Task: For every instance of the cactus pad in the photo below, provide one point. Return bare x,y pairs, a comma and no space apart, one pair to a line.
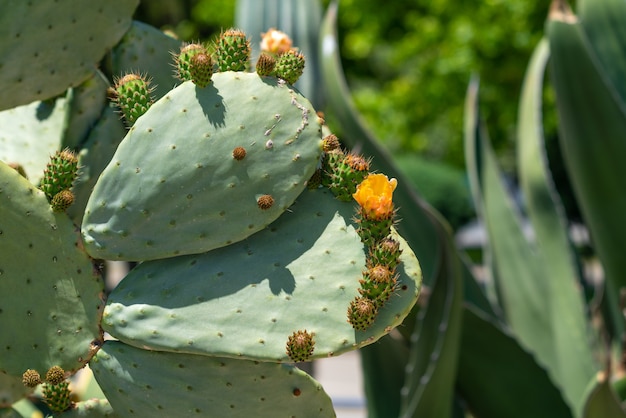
148,384
145,49
246,299
87,102
41,54
96,153
51,299
31,133
173,186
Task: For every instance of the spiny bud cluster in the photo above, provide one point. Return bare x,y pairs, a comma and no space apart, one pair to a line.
194,63
279,58
133,96
300,346
290,66
232,51
342,172
58,178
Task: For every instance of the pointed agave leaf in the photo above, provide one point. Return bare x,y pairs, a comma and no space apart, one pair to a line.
571,337
603,23
522,290
384,364
592,127
431,367
491,365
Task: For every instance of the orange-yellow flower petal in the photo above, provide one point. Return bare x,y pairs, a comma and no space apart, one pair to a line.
374,195
275,42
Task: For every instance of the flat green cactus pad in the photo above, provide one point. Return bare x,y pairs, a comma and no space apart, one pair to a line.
156,384
94,156
31,133
47,46
175,187
244,300
51,298
87,103
147,50
11,390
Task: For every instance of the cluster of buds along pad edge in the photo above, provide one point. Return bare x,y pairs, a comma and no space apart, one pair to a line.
278,57
348,177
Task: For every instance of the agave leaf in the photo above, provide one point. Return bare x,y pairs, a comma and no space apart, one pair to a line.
592,125
574,358
431,367
494,370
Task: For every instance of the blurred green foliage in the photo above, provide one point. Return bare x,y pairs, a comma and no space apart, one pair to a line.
408,64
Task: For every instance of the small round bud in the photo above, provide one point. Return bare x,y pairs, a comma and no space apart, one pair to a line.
133,96
31,378
201,69
239,153
265,65
55,375
357,162
330,143
265,201
62,200
290,66
183,59
300,346
232,51
362,313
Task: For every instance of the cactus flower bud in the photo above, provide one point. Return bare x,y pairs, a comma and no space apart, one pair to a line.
31,378
362,313
62,200
300,346
55,375
60,173
265,65
201,69
232,51
290,66
133,96
183,59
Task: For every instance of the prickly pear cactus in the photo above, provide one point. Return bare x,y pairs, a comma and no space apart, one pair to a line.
253,250
40,52
174,186
48,284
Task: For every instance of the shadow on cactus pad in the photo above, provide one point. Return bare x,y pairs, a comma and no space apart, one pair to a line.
246,299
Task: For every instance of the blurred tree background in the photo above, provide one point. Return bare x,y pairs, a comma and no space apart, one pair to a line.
408,64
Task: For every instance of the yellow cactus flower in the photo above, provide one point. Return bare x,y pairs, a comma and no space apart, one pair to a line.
275,42
374,195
